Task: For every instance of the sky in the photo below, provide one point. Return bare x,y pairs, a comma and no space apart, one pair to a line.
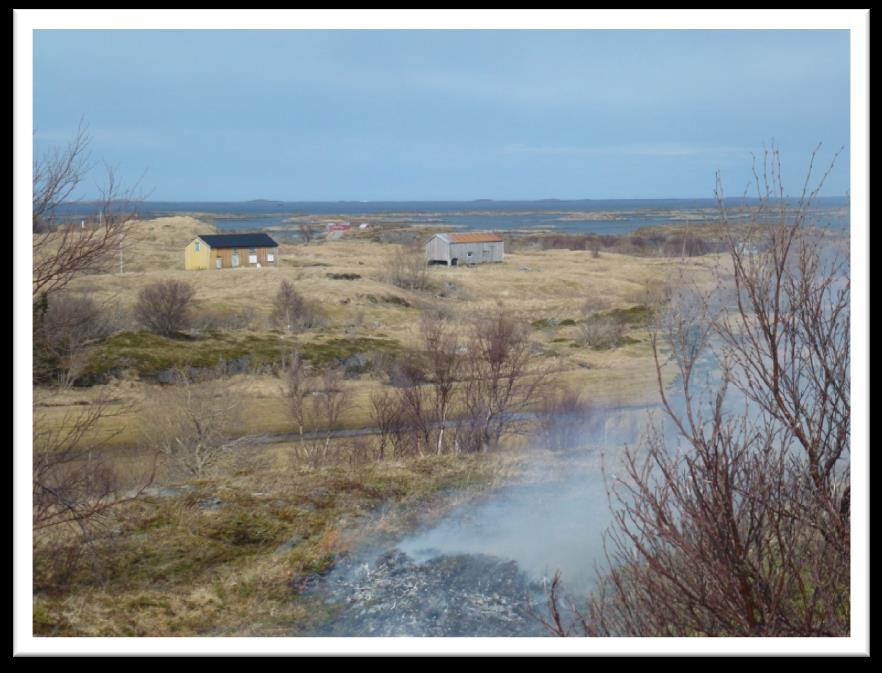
376,115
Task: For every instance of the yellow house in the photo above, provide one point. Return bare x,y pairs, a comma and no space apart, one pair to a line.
228,251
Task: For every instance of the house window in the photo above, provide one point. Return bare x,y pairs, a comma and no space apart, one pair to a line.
198,246
270,257
469,254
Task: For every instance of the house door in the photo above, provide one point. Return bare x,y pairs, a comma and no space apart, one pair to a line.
235,259
218,263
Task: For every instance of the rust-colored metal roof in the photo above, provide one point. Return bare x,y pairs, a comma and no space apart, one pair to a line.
474,238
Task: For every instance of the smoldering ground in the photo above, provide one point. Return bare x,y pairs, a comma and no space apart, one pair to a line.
484,569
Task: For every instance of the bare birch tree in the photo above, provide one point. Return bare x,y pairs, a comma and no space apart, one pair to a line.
63,250
289,311
72,483
444,367
194,426
386,416
502,381
735,522
316,404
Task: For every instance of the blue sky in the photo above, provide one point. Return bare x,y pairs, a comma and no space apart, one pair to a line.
422,115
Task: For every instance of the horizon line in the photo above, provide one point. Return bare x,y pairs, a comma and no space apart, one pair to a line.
429,200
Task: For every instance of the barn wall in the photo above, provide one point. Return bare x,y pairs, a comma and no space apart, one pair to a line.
481,252
196,260
437,250
226,255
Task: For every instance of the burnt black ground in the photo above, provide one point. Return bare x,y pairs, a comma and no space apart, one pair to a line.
448,595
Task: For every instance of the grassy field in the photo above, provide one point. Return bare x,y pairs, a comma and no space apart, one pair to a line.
546,289
229,554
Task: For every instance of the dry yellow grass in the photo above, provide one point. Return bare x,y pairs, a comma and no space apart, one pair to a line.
173,570
540,285
176,567
533,285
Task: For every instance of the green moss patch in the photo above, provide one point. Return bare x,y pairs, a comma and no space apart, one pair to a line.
637,316
323,354
550,323
150,355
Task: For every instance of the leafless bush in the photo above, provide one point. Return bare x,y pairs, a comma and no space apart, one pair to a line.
408,269
316,405
72,320
500,384
404,370
441,346
415,416
386,416
562,419
601,332
594,304
685,245
358,452
64,325
742,527
297,390
306,233
63,251
193,425
655,295
76,487
164,307
490,381
328,402
73,487
415,403
73,482
290,311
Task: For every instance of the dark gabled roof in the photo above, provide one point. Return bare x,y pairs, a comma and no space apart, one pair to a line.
239,241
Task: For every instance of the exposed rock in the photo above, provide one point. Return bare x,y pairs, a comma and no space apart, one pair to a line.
93,379
166,376
355,365
239,365
210,504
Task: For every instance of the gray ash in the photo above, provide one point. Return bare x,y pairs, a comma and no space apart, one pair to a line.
448,595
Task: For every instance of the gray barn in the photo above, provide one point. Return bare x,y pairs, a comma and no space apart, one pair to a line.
456,249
